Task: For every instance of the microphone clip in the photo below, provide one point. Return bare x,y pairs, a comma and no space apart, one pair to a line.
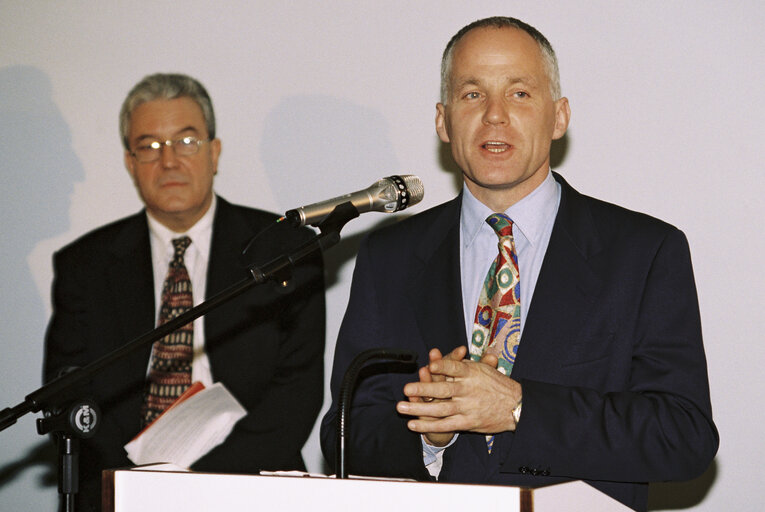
340,216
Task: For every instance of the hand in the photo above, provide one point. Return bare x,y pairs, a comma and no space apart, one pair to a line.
469,396
433,438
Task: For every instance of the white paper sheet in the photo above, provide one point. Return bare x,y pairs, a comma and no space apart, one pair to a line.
189,429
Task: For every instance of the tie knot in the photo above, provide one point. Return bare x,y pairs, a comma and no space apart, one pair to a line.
180,245
501,223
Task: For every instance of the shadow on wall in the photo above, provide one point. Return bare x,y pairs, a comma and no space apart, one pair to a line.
343,147
38,169
42,454
682,495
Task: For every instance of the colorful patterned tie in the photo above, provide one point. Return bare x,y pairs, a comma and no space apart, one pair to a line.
170,373
497,325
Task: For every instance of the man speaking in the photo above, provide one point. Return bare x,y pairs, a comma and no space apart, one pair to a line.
560,335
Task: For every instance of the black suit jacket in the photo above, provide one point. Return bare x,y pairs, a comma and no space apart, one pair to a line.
611,360
266,345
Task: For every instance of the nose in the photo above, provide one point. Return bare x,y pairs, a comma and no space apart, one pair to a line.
167,156
495,111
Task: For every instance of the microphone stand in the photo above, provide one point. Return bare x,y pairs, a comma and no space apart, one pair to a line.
86,413
77,421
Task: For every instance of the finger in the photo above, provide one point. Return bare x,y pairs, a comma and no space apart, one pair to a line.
428,426
440,389
434,355
433,410
449,368
458,354
425,375
490,359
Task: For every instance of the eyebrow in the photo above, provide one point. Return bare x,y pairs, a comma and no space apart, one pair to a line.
529,80
155,137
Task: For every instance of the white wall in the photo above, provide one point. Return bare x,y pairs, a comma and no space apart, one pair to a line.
315,99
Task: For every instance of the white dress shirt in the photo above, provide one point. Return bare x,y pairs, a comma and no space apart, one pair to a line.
196,258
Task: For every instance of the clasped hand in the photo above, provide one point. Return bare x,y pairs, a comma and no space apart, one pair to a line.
456,394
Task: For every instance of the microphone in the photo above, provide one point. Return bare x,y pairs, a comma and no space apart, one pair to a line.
387,195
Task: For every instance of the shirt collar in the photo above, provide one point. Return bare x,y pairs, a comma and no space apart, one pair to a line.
200,233
529,215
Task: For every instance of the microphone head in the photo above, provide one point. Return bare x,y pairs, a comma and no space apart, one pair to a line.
409,191
386,195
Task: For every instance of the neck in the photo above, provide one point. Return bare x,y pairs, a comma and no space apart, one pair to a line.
500,198
179,222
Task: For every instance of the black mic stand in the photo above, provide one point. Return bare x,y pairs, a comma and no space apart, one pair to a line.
406,357
79,420
53,394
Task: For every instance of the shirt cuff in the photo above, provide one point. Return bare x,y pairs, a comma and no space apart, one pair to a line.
433,456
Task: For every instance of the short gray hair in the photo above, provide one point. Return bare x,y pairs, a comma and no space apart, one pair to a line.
166,86
548,54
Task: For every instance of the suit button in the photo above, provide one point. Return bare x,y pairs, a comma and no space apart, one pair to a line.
546,472
523,470
535,472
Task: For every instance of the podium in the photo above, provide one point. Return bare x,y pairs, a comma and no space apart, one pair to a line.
134,490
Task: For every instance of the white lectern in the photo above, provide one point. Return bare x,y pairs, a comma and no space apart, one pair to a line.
137,490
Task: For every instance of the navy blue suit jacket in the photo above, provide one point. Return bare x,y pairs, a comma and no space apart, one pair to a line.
611,361
266,345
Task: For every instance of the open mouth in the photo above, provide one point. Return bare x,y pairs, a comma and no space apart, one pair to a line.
495,147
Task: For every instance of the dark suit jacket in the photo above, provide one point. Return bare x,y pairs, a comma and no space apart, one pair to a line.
266,345
611,360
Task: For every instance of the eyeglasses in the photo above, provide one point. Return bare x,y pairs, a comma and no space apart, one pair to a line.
150,151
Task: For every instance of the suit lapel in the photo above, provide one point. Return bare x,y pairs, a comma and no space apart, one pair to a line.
129,304
131,281
565,291
224,268
436,288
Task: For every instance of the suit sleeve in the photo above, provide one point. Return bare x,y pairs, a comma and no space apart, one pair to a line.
659,426
379,443
282,411
65,340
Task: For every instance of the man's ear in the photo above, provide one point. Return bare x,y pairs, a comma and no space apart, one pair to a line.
215,148
562,117
130,164
441,123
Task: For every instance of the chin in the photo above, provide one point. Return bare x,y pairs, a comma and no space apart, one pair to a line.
498,182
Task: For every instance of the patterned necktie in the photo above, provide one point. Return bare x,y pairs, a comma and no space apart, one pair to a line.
170,373
497,325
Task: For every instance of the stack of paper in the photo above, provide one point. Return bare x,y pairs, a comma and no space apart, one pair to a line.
196,423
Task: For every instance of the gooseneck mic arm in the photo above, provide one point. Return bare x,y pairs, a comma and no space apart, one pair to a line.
407,357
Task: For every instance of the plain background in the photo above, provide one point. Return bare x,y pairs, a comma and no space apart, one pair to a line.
316,99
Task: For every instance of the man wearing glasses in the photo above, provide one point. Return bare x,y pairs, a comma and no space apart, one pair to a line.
121,280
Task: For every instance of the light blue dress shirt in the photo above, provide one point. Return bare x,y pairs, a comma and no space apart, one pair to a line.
533,219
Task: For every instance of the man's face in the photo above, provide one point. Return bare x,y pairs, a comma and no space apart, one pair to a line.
500,118
177,190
